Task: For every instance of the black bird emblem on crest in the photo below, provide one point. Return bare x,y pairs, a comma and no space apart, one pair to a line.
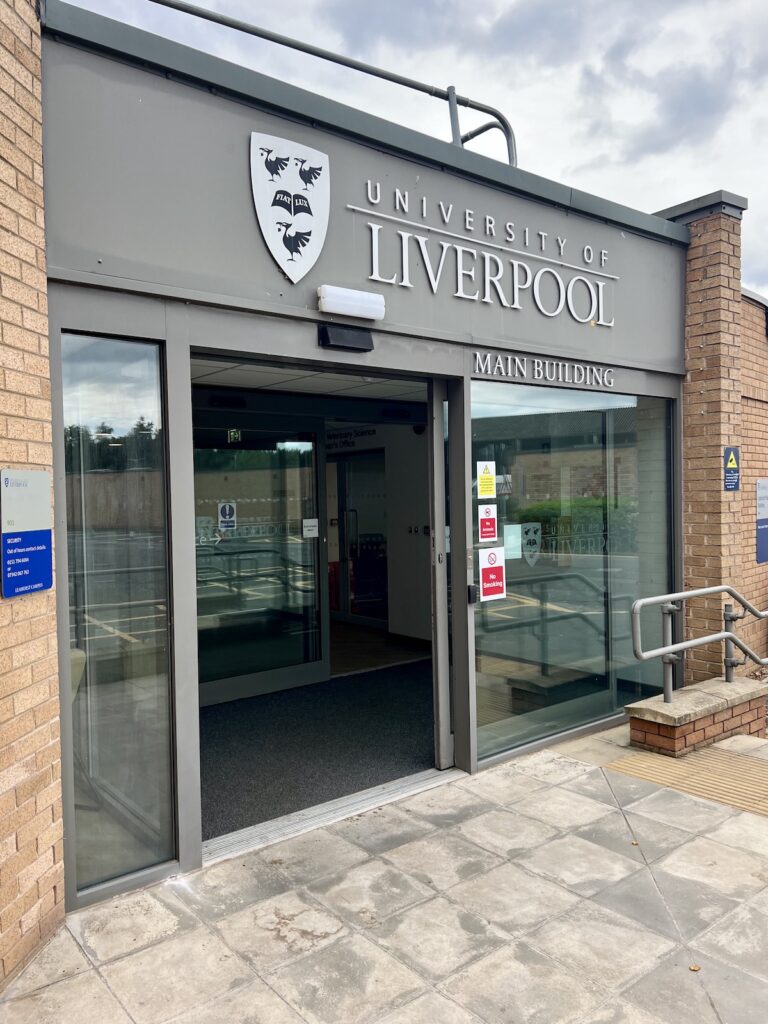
308,175
294,242
275,165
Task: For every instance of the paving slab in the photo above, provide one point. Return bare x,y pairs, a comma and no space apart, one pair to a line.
445,806
640,899
442,860
592,749
382,829
503,784
600,945
513,899
438,938
518,984
60,958
627,789
256,1003
368,893
129,923
279,930
230,885
352,980
744,831
431,1008
313,855
722,868
506,832
594,784
715,994
621,1012
740,939
551,767
694,907
682,811
579,865
619,832
175,976
564,809
82,999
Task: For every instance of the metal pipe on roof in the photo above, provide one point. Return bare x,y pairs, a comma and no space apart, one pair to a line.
356,65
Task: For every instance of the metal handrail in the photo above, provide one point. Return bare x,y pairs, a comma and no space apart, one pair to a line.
454,101
670,652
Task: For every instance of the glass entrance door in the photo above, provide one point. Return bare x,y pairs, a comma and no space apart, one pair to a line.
259,548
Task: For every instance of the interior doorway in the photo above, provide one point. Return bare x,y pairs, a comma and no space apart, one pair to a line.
313,543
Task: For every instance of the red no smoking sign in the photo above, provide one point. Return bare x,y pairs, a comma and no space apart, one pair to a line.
488,522
493,584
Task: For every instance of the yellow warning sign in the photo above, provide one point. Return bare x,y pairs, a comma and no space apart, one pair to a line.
486,480
732,463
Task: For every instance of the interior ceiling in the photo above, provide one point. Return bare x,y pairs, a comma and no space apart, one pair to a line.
274,378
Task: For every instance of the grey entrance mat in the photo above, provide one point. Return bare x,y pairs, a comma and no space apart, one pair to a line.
268,756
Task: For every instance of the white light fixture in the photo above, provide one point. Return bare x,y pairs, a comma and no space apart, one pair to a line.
348,302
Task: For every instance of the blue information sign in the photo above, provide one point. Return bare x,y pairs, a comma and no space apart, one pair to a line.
761,523
25,541
731,469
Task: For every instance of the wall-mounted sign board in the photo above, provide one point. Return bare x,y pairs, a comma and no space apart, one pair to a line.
731,469
25,514
493,584
761,523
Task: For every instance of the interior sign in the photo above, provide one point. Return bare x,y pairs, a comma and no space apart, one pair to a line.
488,528
493,584
227,515
25,510
731,469
486,480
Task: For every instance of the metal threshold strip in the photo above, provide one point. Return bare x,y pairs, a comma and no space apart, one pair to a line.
296,824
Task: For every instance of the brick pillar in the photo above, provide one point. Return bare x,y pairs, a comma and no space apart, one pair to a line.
31,847
711,412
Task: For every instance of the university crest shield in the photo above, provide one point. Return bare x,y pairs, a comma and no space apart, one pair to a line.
292,195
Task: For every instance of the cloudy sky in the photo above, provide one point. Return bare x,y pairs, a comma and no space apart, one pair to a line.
646,102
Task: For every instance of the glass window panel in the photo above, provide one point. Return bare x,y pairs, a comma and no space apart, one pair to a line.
117,540
583,510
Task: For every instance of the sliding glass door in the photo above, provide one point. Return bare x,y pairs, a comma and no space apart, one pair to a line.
259,546
581,490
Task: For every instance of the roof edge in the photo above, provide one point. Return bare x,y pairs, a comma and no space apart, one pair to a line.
62,20
720,201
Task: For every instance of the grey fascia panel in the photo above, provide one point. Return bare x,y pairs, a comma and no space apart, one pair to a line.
115,38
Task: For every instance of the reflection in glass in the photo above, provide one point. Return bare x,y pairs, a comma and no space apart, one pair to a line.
582,497
118,599
257,572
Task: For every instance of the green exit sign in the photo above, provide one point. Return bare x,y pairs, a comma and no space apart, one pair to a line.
233,436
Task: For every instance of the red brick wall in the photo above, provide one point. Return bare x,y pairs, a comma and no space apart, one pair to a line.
31,846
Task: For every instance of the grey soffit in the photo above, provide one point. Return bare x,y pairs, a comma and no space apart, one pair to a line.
289,379
113,37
